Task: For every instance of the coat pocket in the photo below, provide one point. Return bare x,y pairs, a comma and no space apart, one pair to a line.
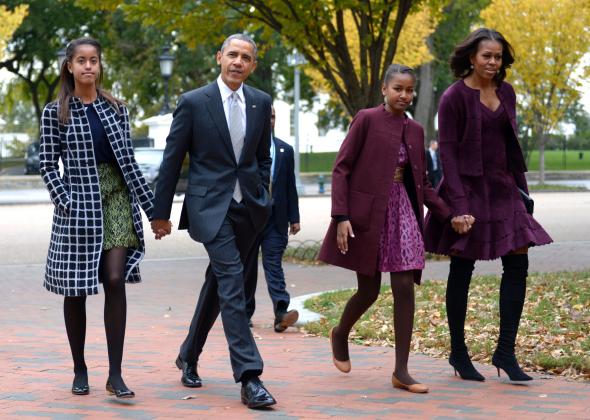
198,190
361,208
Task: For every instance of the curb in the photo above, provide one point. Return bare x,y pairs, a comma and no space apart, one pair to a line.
305,315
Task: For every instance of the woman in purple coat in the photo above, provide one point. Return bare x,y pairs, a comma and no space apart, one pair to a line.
379,188
483,169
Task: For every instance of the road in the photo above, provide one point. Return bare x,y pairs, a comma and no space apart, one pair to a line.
26,228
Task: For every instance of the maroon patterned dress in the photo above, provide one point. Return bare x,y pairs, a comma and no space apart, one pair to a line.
401,247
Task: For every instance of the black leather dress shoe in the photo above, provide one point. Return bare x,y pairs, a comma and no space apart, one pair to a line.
255,395
284,320
190,377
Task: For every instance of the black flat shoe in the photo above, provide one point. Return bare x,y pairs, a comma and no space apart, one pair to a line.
80,384
510,366
462,364
119,393
255,395
80,389
190,378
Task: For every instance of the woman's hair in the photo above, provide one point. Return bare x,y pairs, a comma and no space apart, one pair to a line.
66,79
394,69
460,60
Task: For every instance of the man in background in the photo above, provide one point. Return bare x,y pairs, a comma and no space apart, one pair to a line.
284,220
433,168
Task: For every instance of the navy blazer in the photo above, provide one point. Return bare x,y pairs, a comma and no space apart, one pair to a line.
285,207
200,128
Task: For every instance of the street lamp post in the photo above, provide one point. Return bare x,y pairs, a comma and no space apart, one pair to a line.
61,56
166,65
296,59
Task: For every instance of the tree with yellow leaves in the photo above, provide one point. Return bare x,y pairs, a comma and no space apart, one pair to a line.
349,43
550,39
11,20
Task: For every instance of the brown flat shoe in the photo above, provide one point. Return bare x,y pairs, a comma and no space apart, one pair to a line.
415,388
341,366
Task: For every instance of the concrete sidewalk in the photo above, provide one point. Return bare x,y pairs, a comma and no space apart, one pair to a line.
35,364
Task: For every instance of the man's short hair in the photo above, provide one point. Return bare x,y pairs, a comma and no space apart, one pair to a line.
240,37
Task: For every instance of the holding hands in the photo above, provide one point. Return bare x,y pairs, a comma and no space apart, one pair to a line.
462,224
161,228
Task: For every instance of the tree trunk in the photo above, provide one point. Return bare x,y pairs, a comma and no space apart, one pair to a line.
425,103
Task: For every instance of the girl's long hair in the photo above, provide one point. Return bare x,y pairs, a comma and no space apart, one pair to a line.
67,84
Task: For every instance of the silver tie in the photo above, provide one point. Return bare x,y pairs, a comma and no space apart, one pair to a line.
236,132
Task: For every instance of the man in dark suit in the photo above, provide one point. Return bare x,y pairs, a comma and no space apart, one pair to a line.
433,166
225,128
273,239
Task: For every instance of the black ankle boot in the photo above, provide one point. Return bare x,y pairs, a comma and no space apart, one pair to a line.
512,294
462,364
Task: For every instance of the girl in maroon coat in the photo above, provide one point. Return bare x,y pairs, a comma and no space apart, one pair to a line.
379,188
483,169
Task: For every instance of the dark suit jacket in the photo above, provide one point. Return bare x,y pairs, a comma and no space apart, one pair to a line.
200,128
361,184
284,191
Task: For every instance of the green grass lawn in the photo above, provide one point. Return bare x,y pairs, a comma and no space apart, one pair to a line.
323,162
554,334
554,160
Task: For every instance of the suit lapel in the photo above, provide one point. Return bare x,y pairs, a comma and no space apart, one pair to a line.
215,107
278,159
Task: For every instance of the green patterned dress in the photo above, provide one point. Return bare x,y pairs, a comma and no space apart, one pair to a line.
116,209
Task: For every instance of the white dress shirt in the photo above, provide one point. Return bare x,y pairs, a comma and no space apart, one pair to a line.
226,92
273,155
434,159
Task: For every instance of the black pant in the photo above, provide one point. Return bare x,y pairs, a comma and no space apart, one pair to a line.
223,291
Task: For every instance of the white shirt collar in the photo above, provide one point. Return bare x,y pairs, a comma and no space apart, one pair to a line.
226,91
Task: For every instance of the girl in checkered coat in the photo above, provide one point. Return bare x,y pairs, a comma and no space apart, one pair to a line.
97,233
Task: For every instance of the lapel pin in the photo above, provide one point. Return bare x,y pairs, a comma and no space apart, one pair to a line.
253,106
282,150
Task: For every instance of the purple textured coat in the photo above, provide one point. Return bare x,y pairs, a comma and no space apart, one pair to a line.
361,181
459,124
490,195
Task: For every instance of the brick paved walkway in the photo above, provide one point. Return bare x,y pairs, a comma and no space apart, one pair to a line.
35,364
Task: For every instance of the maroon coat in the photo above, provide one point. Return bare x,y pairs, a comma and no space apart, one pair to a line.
361,181
459,122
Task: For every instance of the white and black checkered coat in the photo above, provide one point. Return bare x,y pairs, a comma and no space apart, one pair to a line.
77,231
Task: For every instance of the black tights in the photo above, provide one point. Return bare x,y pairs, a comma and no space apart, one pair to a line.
402,286
112,272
